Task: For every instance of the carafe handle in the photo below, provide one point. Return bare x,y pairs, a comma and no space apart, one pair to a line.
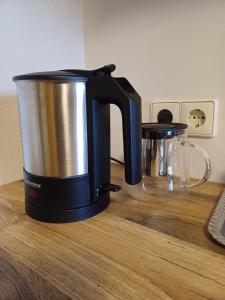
208,165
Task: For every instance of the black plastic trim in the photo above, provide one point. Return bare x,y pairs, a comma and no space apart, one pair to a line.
57,193
102,91
161,130
59,200
51,76
68,215
68,74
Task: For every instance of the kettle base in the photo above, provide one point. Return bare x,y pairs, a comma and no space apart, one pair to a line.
67,215
61,200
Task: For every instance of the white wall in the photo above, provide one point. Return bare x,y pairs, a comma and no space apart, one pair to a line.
167,49
35,35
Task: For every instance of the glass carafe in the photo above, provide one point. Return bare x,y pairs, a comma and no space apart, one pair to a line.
165,162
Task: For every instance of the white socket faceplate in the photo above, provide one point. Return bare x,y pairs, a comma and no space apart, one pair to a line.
172,106
191,113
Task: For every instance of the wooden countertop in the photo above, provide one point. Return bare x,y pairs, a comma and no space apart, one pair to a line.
156,249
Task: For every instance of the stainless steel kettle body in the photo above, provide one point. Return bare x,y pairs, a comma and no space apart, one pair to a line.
65,127
53,121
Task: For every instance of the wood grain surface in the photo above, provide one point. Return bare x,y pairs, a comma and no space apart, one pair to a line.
152,249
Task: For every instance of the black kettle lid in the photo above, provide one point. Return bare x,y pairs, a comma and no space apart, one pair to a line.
68,74
162,131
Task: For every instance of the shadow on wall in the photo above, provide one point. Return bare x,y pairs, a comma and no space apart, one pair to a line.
11,161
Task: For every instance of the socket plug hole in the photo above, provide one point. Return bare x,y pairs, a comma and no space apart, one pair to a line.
196,118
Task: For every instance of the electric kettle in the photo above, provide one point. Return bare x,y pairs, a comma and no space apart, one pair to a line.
65,128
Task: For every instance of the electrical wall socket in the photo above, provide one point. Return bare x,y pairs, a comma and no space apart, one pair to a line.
167,109
201,116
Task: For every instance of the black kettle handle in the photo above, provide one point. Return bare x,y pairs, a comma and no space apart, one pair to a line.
130,107
108,90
